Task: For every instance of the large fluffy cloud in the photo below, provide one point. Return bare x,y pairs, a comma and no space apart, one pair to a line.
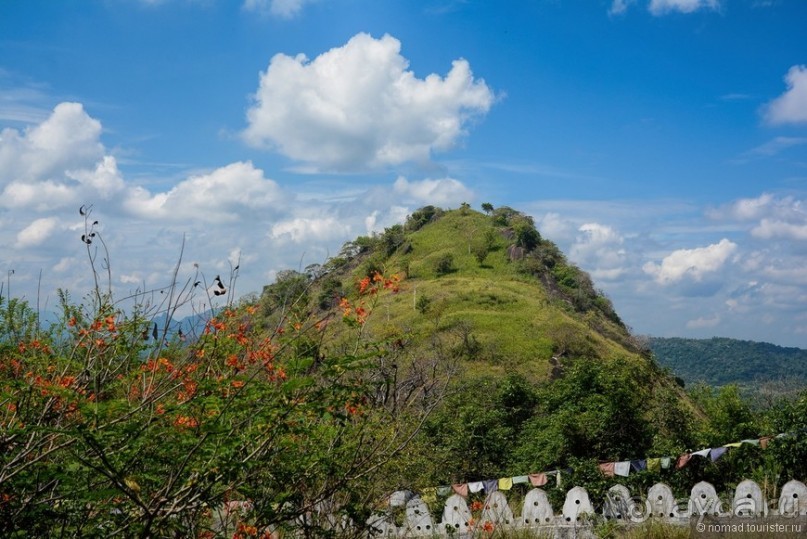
55,163
223,195
791,106
66,140
358,106
599,248
693,264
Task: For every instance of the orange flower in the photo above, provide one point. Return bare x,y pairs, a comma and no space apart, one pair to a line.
351,409
72,322
166,364
487,526
66,381
186,422
233,361
247,530
363,284
237,384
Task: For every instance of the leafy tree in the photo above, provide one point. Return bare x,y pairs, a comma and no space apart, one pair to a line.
594,411
487,207
444,264
730,418
288,293
789,453
503,214
480,252
330,292
484,428
526,234
422,216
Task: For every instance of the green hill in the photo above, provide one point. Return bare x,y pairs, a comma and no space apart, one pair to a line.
542,370
720,361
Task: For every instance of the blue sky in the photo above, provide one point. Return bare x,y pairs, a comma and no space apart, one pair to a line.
661,143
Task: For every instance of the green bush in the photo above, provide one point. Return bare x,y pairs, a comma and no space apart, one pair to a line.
444,264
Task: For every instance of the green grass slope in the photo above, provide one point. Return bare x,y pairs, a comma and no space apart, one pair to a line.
503,307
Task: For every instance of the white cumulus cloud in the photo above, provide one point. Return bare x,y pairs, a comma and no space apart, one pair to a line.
791,106
67,139
692,264
441,192
57,162
783,217
599,248
358,106
220,196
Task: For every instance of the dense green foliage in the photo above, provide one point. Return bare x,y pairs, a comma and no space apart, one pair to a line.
759,368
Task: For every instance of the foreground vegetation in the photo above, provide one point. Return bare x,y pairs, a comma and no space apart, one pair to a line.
456,347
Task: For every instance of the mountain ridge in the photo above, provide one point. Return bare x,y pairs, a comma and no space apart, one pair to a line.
721,361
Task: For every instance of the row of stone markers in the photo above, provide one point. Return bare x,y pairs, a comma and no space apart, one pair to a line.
457,520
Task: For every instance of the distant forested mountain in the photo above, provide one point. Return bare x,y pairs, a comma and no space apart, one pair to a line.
719,361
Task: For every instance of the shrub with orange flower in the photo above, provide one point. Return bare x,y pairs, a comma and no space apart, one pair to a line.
195,419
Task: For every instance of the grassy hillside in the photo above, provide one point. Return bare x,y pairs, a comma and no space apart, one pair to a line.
485,301
505,305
